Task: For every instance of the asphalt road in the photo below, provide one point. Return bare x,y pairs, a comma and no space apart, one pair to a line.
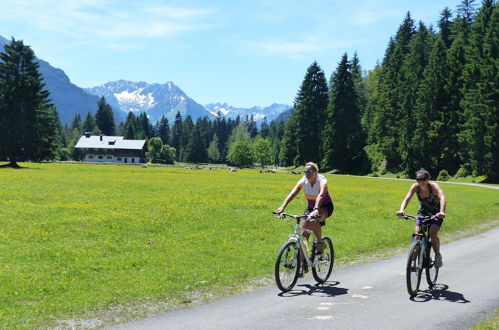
366,296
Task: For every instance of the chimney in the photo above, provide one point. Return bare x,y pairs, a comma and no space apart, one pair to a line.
101,137
87,134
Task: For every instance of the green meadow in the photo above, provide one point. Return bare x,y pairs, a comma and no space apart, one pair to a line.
96,244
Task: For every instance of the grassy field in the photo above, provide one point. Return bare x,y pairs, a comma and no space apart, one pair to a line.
86,244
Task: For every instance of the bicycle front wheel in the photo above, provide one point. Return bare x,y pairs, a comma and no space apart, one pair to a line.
323,263
414,269
431,270
287,266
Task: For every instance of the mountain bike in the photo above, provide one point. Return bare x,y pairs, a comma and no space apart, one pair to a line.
296,250
421,255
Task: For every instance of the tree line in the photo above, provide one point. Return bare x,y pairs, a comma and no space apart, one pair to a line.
432,102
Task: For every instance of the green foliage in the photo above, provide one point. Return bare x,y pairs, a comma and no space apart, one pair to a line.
443,175
104,118
241,153
262,149
29,124
344,140
303,135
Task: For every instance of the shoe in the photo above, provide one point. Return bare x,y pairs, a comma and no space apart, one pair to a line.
438,261
319,247
300,272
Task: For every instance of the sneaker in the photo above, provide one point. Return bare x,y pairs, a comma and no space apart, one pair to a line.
438,261
300,272
319,247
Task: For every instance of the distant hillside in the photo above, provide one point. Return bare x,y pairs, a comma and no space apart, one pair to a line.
67,97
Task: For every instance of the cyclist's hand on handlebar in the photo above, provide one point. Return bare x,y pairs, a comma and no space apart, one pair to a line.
315,214
400,213
440,215
279,212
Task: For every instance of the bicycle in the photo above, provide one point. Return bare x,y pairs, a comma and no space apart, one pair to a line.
287,265
421,255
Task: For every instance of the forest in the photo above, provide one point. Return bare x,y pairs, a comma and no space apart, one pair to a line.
432,102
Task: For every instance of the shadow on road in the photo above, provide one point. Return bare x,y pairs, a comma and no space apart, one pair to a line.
328,289
440,292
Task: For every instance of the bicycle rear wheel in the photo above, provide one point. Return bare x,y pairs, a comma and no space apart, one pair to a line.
287,266
431,270
414,269
323,263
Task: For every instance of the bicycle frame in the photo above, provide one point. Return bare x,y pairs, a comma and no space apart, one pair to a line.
297,237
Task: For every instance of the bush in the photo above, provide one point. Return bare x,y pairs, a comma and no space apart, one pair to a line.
462,173
443,175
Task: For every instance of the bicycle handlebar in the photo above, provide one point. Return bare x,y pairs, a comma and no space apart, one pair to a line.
424,219
296,217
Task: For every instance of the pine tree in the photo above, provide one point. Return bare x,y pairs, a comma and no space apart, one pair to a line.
307,121
481,89
186,137
411,79
177,135
264,128
104,118
343,141
130,128
163,130
388,115
28,122
89,125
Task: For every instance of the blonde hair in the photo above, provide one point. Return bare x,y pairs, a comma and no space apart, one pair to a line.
314,165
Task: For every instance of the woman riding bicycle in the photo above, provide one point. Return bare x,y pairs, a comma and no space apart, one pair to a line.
320,205
433,202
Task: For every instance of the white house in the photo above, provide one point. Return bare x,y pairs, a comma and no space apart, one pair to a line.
113,149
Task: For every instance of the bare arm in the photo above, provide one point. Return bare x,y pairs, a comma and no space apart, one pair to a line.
407,199
441,197
318,200
289,198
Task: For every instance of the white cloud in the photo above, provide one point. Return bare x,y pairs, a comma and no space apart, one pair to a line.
109,20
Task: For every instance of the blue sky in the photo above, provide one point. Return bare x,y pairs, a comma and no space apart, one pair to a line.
244,53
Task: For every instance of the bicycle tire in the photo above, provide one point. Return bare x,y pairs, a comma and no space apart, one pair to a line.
287,266
431,270
413,269
323,264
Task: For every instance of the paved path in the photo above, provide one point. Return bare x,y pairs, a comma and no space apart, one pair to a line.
366,296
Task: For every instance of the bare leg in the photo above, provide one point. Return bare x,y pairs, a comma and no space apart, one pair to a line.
435,241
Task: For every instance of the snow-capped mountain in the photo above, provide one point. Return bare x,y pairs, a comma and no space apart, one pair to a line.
271,112
155,100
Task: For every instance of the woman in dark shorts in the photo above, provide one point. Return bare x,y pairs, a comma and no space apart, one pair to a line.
319,202
433,202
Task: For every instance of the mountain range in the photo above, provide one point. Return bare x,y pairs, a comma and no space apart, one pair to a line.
155,100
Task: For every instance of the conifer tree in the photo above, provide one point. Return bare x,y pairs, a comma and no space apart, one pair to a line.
304,143
481,89
130,129
411,79
163,130
389,114
264,128
343,141
89,125
104,118
177,133
28,122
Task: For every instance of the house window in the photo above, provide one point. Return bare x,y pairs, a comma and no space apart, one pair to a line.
133,160
90,157
118,159
100,157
